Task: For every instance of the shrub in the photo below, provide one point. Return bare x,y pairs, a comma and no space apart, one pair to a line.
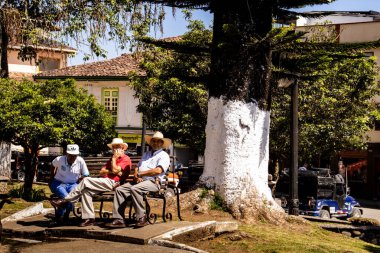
35,196
217,203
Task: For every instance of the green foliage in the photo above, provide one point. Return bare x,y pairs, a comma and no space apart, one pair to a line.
203,193
52,113
217,203
335,100
173,97
86,23
35,195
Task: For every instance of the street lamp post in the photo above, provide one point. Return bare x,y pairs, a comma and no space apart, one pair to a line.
293,187
294,202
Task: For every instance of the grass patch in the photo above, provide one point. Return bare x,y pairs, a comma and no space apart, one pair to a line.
217,203
292,238
17,205
203,193
15,189
35,196
364,221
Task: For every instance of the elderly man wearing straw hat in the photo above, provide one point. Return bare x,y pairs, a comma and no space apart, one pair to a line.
150,170
111,172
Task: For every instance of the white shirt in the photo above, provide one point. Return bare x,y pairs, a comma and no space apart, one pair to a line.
69,174
152,160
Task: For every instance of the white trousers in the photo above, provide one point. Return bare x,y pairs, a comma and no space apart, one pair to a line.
86,189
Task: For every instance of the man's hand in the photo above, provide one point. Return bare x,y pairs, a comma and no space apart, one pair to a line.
103,171
137,177
116,185
117,153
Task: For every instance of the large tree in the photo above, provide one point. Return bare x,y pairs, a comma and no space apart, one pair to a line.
173,97
53,113
240,84
31,23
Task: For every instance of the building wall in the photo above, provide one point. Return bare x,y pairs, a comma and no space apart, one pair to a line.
359,32
127,115
17,65
331,19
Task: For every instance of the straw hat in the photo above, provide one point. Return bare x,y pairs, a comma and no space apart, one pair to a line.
158,136
117,141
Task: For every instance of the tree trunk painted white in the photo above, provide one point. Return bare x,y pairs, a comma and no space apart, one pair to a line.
5,159
237,153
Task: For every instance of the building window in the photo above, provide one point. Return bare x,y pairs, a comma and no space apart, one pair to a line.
48,64
111,102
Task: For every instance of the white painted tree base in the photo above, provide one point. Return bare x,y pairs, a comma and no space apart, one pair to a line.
237,153
5,159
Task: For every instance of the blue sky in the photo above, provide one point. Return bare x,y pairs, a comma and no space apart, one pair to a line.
173,26
176,25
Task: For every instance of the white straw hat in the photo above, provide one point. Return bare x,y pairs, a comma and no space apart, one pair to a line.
117,141
158,135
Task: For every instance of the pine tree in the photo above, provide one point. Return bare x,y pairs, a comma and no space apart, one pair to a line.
239,85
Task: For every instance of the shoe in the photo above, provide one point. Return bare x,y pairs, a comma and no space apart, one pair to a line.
116,223
57,222
58,202
87,222
142,222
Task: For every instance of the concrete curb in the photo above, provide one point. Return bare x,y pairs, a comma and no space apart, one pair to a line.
27,212
175,245
204,229
180,231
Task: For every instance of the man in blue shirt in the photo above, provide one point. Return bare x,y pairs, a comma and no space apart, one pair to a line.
68,171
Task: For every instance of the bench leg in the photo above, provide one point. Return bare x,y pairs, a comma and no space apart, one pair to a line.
178,206
164,209
101,209
77,212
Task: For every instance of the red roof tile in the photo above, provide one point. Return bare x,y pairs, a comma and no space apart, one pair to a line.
117,67
19,76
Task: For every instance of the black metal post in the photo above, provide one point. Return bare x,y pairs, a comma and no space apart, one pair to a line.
294,202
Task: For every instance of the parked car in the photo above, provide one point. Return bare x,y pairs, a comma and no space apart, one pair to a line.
320,194
43,169
18,167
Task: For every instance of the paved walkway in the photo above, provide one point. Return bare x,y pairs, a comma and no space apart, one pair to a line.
161,233
83,246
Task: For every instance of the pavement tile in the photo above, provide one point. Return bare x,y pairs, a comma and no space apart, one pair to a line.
39,225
